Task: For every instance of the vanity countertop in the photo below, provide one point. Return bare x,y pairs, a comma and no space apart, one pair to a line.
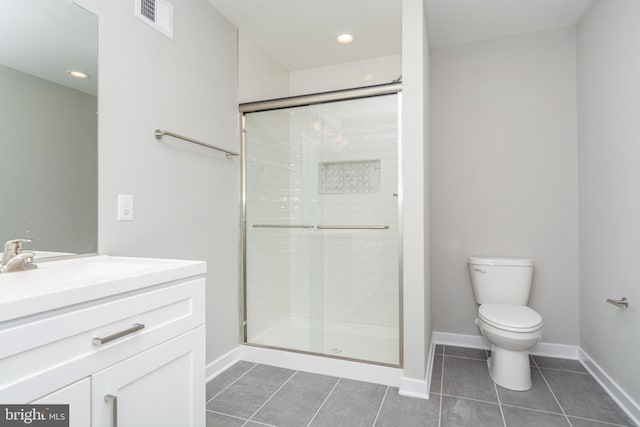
57,284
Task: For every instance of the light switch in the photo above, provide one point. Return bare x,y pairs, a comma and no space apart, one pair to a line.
125,207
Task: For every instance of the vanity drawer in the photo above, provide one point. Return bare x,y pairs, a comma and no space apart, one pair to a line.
57,349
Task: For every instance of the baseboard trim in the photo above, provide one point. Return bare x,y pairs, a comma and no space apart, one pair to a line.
460,340
411,387
561,351
223,363
628,405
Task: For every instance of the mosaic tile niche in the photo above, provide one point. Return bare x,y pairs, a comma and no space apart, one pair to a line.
351,177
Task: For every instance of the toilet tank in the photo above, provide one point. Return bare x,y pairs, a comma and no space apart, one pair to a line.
501,280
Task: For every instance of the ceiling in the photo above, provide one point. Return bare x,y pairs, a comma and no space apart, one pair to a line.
452,22
300,34
45,38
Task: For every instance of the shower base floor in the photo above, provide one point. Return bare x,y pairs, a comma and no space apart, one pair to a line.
378,344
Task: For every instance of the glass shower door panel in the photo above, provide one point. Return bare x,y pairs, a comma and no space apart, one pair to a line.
359,225
321,229
282,273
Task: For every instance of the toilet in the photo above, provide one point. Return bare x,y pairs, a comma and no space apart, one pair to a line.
502,286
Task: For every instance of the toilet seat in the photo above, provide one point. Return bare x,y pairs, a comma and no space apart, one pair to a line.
513,318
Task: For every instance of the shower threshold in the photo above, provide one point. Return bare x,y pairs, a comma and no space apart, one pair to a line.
377,344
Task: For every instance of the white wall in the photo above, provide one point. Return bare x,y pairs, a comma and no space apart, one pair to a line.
186,197
345,76
609,150
416,199
504,173
260,77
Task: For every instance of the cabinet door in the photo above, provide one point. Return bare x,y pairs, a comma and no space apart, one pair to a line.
161,387
77,396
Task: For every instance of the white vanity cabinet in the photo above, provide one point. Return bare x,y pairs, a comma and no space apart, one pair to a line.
78,397
128,359
154,388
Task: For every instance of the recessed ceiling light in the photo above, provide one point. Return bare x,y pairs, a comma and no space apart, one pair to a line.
344,38
78,74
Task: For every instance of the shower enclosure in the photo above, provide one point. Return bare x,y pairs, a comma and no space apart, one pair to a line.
322,235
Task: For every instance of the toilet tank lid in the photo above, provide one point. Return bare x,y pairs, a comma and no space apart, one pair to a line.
507,261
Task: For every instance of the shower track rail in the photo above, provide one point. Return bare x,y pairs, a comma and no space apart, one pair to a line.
281,226
319,98
325,227
352,227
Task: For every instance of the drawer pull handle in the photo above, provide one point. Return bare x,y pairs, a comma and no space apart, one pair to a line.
135,328
109,398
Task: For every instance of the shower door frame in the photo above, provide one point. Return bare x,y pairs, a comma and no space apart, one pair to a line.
301,101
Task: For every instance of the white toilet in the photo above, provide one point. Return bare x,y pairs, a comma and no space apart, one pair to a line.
501,286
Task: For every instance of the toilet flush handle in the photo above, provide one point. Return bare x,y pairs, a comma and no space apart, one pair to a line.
480,270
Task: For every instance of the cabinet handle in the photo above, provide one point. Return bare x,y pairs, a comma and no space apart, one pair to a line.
109,398
136,327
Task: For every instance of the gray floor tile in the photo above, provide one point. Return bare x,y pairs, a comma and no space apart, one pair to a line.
555,363
462,413
518,417
436,375
468,378
439,349
297,402
219,420
250,392
580,395
404,411
538,397
219,383
471,353
352,403
579,422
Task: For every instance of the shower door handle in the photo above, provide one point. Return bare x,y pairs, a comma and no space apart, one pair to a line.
353,227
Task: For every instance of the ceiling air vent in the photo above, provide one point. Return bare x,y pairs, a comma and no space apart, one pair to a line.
157,13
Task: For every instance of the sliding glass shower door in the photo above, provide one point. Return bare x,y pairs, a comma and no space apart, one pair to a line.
322,239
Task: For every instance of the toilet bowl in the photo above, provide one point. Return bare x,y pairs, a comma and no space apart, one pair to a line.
512,331
501,286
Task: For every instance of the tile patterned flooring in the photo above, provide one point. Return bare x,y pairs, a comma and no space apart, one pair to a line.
462,394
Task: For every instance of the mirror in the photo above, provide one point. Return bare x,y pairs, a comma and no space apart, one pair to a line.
48,125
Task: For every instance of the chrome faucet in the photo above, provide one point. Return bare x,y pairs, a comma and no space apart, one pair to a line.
14,259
